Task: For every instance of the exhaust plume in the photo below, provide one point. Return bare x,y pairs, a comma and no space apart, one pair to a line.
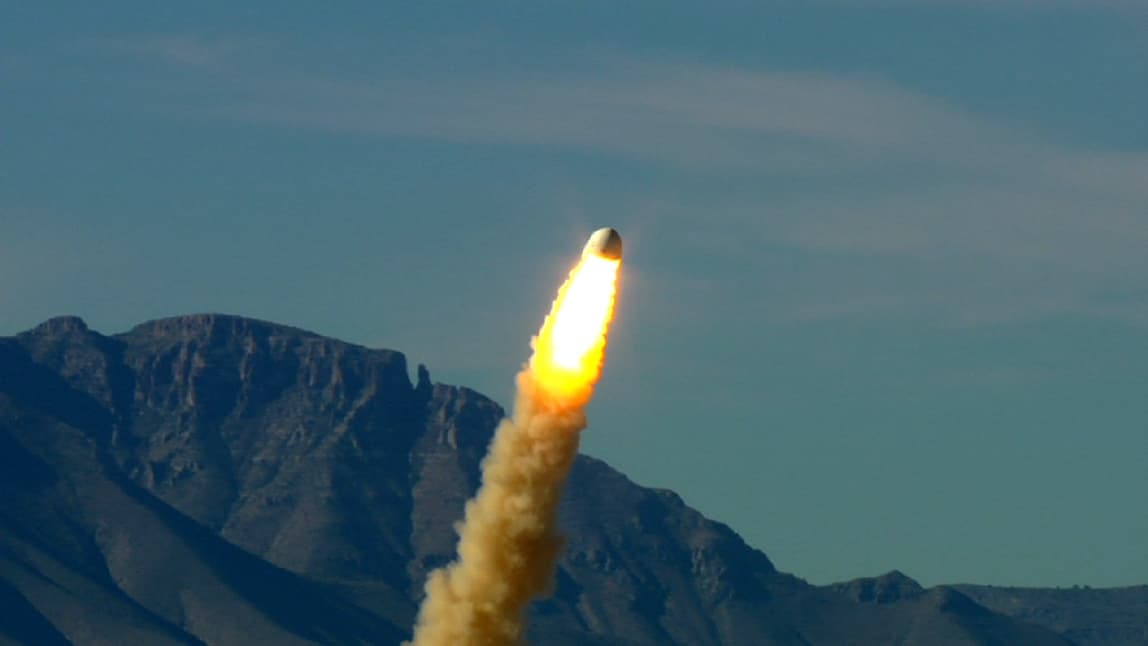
508,541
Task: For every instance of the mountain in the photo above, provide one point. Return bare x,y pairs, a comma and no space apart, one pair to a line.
1087,616
215,479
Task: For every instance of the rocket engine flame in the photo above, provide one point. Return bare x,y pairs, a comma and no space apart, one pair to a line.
508,542
570,348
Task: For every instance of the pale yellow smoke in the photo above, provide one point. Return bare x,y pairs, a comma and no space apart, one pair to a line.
508,542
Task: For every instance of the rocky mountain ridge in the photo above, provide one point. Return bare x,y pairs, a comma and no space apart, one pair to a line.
217,479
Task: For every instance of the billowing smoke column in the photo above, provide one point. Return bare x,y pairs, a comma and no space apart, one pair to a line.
508,542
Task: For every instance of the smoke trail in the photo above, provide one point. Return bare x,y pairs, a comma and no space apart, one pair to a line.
508,541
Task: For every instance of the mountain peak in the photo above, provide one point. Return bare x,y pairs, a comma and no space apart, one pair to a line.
887,588
59,326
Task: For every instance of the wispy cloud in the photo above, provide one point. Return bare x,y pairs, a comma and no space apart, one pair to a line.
939,210
690,115
675,114
185,50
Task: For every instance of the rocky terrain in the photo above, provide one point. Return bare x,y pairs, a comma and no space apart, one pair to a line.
1087,616
220,480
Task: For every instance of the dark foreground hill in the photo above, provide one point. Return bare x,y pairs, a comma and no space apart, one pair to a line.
213,479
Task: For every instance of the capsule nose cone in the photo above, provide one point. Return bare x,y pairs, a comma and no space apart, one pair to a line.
605,242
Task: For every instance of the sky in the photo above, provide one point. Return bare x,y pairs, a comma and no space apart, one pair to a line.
884,301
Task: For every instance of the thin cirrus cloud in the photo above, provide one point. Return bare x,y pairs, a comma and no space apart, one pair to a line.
968,217
689,115
186,50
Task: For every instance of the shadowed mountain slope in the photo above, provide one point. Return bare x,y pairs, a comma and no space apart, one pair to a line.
215,479
1087,616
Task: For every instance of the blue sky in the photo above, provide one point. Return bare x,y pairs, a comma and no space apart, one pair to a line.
884,301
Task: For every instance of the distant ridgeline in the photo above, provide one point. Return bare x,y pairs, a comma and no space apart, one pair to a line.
215,479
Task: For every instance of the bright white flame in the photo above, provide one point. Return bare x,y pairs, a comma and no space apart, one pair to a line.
581,321
569,349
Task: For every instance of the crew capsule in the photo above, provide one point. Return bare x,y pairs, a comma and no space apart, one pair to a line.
605,242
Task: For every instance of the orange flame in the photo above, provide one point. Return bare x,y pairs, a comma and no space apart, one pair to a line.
570,347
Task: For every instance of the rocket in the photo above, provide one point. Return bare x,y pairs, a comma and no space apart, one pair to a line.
605,243
508,536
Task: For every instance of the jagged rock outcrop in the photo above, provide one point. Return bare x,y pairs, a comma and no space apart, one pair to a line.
215,479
